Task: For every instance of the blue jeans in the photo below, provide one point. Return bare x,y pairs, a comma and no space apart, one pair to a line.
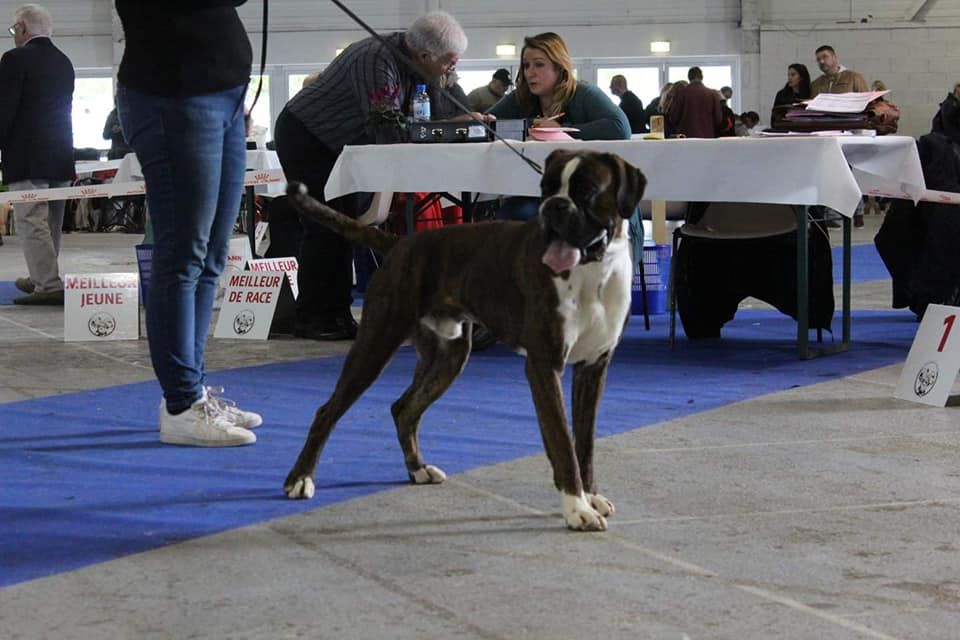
193,154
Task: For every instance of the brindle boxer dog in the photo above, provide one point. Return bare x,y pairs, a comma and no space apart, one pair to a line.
556,289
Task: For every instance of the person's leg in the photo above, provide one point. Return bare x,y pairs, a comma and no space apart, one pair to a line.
233,162
57,209
325,272
180,144
32,220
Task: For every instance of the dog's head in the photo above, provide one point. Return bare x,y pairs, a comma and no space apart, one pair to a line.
584,197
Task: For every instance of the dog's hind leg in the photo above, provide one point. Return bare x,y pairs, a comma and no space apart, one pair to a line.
440,362
588,383
375,344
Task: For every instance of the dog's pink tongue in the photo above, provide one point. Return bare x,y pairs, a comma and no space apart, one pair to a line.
561,256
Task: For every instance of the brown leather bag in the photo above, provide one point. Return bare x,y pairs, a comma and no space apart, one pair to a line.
883,116
880,115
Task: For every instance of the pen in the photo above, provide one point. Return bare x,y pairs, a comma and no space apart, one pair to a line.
559,115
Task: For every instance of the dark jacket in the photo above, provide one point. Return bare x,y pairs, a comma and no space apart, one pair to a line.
182,48
697,111
36,104
443,109
633,107
785,96
947,119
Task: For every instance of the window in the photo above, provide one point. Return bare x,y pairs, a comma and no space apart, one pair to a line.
643,81
92,103
261,113
471,79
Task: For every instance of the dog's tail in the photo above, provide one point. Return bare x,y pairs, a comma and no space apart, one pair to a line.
357,233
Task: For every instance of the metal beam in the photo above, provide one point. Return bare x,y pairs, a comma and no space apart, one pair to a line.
918,10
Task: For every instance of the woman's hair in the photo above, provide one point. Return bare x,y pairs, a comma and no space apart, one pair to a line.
667,98
556,51
437,33
803,91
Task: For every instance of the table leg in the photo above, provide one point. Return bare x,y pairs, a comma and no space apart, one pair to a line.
408,200
466,206
658,217
251,223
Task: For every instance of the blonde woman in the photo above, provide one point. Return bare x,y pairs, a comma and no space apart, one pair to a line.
548,93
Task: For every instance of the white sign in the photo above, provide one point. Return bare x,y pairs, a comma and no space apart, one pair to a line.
101,306
248,305
288,265
237,257
934,360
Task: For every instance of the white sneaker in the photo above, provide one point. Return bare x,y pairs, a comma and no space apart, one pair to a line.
239,417
202,425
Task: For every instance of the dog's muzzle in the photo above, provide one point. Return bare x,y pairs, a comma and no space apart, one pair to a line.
572,236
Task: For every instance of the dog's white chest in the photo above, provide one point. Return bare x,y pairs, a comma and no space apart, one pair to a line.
594,303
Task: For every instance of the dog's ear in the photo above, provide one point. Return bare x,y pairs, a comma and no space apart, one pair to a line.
631,184
558,155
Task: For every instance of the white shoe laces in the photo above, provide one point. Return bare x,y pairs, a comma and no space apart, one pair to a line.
224,405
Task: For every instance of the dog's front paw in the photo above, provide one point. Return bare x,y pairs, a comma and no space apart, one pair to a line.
580,516
427,474
600,504
299,488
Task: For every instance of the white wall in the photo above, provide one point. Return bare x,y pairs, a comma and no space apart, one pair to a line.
919,64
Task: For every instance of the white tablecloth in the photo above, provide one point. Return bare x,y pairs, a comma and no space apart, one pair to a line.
830,171
257,160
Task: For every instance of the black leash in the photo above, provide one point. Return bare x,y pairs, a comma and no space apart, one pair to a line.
413,67
263,59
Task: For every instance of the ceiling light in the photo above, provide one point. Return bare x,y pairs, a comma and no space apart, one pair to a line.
506,50
660,46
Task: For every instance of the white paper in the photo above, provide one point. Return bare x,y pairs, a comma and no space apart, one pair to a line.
843,102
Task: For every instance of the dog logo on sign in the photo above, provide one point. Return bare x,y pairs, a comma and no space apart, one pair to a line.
926,379
244,322
101,324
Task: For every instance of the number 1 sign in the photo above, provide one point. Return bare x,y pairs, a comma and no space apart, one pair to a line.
931,368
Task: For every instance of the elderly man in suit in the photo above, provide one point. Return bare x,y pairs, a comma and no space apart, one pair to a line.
36,138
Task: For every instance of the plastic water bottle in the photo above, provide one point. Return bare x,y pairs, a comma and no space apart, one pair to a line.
421,104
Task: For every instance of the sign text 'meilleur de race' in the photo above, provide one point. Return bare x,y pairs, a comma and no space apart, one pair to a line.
254,281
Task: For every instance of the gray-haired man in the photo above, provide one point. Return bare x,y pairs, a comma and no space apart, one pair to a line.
36,138
332,112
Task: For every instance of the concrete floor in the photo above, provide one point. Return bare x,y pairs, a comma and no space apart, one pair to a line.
828,511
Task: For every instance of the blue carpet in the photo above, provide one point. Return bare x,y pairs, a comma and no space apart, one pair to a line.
865,263
83,478
8,291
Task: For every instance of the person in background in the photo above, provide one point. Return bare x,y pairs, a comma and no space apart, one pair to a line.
631,105
181,86
947,118
332,112
836,78
482,98
442,108
696,111
666,100
726,93
653,107
114,133
549,95
796,89
36,139
745,122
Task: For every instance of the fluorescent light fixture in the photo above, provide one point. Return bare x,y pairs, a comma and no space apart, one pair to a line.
507,50
660,46
339,51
